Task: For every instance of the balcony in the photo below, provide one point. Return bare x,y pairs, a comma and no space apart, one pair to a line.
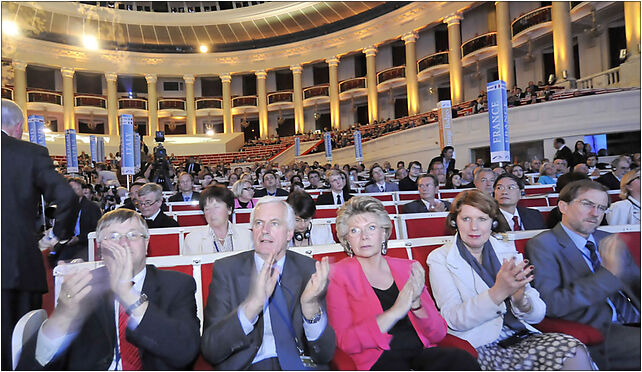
90,101
7,93
209,103
352,88
432,65
171,104
478,43
316,91
531,25
41,96
398,72
280,97
132,104
244,101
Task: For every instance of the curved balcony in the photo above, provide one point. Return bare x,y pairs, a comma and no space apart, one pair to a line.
350,84
280,97
432,65
398,72
41,96
478,43
171,104
316,91
7,93
90,101
209,103
538,17
132,103
244,101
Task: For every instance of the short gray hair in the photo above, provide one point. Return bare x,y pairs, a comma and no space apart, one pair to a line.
12,114
149,188
360,205
119,216
290,217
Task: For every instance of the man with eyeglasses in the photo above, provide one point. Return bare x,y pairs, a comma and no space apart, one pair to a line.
619,167
150,200
588,276
508,191
266,307
124,316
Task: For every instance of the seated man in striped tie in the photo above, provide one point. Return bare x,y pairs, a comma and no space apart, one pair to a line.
508,191
588,276
185,191
125,315
266,307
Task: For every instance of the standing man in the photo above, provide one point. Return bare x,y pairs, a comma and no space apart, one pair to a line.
150,199
27,173
409,183
337,195
563,152
266,307
436,168
588,276
191,166
185,189
378,177
508,191
445,158
428,187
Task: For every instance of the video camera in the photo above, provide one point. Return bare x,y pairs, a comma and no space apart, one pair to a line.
160,153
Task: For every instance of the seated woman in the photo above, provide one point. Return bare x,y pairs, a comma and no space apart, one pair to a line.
627,210
547,174
378,306
219,235
481,286
517,171
305,233
453,181
243,192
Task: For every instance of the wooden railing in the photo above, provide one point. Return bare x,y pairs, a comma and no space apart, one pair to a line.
209,103
171,104
91,101
530,19
244,101
132,103
316,91
479,42
432,60
354,83
275,97
391,73
44,97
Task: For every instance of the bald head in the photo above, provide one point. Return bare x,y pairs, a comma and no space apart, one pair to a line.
12,118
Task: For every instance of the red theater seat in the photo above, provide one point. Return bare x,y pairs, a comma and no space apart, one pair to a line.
537,201
408,195
326,212
242,217
184,207
164,245
191,220
427,225
539,189
632,240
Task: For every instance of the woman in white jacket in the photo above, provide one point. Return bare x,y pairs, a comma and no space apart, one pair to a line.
627,210
481,286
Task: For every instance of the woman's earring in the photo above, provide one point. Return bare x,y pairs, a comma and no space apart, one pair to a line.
384,248
349,250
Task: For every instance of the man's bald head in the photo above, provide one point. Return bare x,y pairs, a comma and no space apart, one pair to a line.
12,118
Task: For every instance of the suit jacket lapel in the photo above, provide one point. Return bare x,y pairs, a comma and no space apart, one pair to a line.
570,251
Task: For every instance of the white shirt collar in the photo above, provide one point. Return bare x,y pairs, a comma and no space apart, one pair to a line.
153,217
509,217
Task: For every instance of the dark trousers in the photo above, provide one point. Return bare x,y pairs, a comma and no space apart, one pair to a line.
620,349
15,304
430,359
269,364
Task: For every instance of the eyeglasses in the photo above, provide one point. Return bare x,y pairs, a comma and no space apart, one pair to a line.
356,231
131,236
148,203
509,187
248,189
589,205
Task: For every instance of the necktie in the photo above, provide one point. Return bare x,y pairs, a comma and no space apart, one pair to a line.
516,225
77,227
338,199
383,188
187,198
626,311
128,352
286,349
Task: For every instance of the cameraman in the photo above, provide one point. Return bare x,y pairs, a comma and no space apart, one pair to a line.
161,171
111,200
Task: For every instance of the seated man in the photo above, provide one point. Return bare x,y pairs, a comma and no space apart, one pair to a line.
185,189
436,168
315,181
428,187
619,167
591,163
468,176
378,176
588,276
132,201
508,191
124,316
561,167
337,195
266,307
269,186
150,199
484,180
409,183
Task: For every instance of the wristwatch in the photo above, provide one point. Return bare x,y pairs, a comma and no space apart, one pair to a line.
315,318
141,300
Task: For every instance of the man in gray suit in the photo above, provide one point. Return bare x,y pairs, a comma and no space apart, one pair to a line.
588,276
379,184
266,307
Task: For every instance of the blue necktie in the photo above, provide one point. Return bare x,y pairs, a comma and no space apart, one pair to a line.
282,329
187,198
77,227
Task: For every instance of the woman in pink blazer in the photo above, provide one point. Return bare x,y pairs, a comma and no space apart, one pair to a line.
378,306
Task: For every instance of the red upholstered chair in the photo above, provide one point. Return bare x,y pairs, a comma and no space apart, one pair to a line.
164,245
242,216
632,240
423,225
383,196
446,194
408,195
583,332
323,211
342,361
191,219
539,189
176,207
533,201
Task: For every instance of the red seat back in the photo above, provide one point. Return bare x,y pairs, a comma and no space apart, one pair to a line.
164,245
533,202
185,269
206,279
420,254
191,220
426,227
243,217
632,240
383,197
539,189
409,196
185,207
448,194
333,257
326,212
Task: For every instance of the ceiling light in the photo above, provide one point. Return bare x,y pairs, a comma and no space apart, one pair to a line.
203,48
10,28
90,42
210,132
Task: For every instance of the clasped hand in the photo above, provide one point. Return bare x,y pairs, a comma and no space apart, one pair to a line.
118,260
511,280
410,295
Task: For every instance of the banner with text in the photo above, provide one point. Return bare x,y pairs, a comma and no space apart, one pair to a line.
498,122
93,151
328,146
127,144
137,151
444,113
71,148
100,150
297,146
36,125
358,150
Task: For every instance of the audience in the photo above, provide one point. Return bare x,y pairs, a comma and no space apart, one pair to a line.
409,183
185,191
338,194
453,181
306,233
579,156
508,191
446,159
428,187
437,169
547,174
563,152
378,181
150,198
484,180
269,186
627,210
619,167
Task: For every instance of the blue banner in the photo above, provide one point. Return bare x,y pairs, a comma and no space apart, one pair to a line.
498,122
100,150
36,125
358,151
328,146
297,147
127,144
93,150
137,151
71,148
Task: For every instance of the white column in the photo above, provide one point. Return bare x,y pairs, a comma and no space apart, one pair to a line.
68,97
189,104
152,103
112,103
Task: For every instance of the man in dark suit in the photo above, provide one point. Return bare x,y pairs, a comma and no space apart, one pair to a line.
563,152
191,166
428,186
185,189
338,194
619,166
267,304
409,183
315,181
27,173
588,276
379,183
269,186
150,199
157,326
132,201
508,190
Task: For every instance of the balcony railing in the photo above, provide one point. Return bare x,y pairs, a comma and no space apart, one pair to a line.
171,104
244,101
132,103
44,97
316,91
479,42
350,84
432,60
91,101
530,19
279,97
391,73
209,103
7,93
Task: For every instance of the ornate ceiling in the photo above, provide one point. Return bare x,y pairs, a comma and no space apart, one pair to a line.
258,26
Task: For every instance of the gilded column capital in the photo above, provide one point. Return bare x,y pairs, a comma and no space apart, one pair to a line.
67,72
370,51
226,78
151,78
453,19
332,61
261,74
409,37
19,65
189,79
296,69
111,76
